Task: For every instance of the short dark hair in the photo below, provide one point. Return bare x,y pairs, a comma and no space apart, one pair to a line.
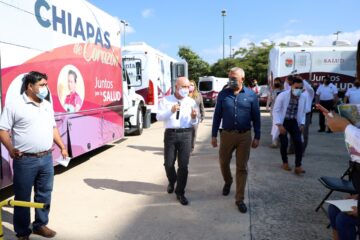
297,80
32,77
326,78
71,72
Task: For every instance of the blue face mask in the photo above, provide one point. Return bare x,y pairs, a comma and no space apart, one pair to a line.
233,83
297,92
43,92
184,92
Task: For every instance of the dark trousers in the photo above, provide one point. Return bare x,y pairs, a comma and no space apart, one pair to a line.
329,105
305,134
29,172
177,145
293,129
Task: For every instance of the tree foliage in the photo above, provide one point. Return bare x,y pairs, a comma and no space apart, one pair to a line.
196,66
253,59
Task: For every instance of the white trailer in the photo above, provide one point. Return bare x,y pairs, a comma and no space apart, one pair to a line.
209,87
314,63
152,73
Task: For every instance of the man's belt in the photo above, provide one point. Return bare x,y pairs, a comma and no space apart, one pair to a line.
38,155
178,129
237,130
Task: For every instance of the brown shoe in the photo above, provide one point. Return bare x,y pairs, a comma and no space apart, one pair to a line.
45,232
299,170
286,167
23,238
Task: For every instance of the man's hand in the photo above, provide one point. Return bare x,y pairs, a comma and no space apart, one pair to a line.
175,108
354,212
214,142
255,143
15,153
64,153
193,113
336,123
282,130
302,128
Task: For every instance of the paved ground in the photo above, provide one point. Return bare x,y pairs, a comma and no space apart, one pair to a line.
118,192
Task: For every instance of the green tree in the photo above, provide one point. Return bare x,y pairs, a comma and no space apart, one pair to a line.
197,67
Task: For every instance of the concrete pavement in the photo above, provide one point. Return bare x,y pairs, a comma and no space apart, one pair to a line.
119,192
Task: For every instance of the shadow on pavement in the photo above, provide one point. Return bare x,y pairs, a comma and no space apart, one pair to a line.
132,187
156,150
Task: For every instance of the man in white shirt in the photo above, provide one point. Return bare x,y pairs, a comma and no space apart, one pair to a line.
327,96
352,95
289,115
179,113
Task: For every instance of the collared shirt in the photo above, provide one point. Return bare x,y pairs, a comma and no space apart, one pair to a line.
237,112
291,111
169,118
352,139
326,93
354,95
31,125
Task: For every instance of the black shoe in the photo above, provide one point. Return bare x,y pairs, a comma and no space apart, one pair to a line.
242,207
321,130
226,189
170,188
329,131
182,199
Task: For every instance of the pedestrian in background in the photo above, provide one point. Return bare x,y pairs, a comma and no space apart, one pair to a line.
30,120
326,96
352,95
289,115
238,109
275,90
178,111
195,94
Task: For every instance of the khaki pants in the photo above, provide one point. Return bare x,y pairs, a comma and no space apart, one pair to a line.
241,142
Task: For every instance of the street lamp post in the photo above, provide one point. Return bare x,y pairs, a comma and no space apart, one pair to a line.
125,24
230,37
223,14
337,34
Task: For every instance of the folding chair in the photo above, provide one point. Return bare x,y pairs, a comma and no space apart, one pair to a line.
336,184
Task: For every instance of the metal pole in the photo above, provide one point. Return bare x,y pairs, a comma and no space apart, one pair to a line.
125,24
223,14
230,37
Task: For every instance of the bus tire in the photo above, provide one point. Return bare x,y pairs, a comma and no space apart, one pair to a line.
139,122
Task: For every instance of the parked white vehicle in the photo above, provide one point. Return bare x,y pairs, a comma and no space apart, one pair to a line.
209,87
152,73
314,63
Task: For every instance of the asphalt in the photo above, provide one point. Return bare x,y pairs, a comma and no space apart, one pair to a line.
119,192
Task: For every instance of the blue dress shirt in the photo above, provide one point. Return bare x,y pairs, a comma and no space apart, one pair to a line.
237,111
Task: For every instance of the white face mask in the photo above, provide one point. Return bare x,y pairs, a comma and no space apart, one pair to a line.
43,92
184,92
297,92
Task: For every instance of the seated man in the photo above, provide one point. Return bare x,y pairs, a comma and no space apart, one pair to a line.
343,223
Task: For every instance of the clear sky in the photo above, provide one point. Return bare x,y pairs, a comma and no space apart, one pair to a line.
198,24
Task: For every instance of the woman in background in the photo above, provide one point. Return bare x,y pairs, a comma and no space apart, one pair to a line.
195,94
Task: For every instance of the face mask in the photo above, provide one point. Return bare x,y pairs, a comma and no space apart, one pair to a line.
297,92
43,92
184,92
233,83
191,89
277,85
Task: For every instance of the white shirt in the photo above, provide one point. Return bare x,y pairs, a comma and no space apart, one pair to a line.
354,95
326,92
309,95
352,138
169,118
31,125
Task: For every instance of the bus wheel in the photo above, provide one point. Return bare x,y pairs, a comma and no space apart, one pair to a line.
139,122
